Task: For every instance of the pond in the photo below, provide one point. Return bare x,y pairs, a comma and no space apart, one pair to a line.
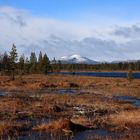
135,75
2,93
84,135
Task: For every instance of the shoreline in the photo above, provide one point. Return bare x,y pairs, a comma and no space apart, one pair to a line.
134,71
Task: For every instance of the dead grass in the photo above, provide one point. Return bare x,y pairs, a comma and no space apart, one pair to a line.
59,126
109,86
5,127
124,120
96,100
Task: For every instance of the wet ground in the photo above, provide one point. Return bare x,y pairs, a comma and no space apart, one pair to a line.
129,99
2,93
37,93
81,110
77,136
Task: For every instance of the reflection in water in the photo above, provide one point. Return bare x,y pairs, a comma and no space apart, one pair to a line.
100,133
33,135
43,136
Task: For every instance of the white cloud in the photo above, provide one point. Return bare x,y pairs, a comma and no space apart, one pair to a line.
128,32
59,38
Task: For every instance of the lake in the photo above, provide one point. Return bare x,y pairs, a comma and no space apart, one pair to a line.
135,75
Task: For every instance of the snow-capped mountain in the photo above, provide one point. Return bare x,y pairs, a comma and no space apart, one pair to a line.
76,59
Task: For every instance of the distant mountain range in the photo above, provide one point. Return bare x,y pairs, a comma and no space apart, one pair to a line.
76,59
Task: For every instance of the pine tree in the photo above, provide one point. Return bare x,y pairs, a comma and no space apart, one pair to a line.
33,58
22,63
45,64
27,66
6,62
13,58
40,58
33,62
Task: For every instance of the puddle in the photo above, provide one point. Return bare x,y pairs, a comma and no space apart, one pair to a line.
33,135
84,135
37,135
131,100
39,93
34,121
96,134
2,93
93,134
62,91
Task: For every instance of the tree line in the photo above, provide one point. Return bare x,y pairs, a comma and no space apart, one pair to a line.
12,64
122,66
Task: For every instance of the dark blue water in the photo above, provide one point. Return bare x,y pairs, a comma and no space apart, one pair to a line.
89,134
135,75
59,91
134,101
2,93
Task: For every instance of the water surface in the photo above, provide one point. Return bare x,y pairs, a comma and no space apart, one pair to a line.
135,75
132,100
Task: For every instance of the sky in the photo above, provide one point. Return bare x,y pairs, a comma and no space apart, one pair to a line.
102,30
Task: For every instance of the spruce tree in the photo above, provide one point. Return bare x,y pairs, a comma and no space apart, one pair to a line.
33,62
27,66
22,63
45,64
40,58
6,62
33,58
13,58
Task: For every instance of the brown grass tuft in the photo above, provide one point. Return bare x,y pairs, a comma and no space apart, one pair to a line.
60,126
125,120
